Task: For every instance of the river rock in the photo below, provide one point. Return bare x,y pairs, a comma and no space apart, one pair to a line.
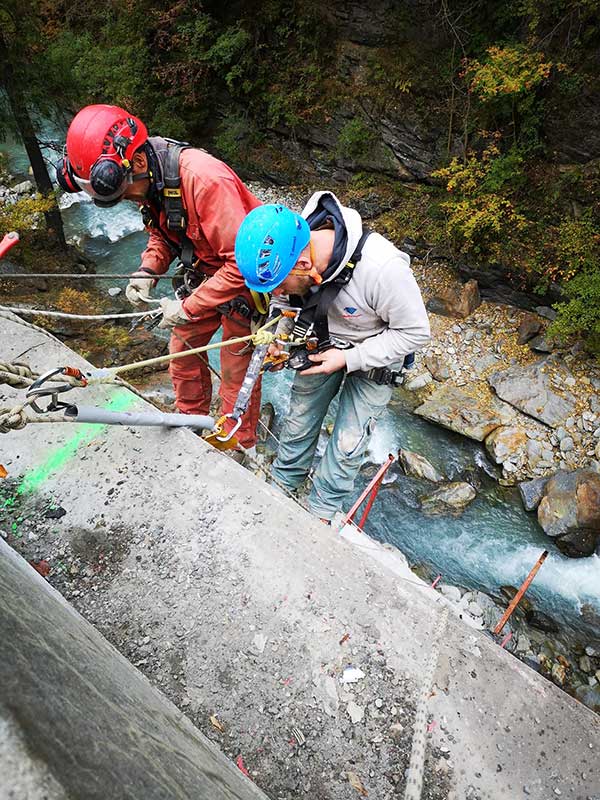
546,311
530,326
591,616
439,369
452,498
487,361
467,414
451,593
456,301
25,187
542,344
504,442
531,492
418,466
569,511
585,664
529,389
490,612
415,382
590,696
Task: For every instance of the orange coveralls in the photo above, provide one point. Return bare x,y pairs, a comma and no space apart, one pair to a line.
216,201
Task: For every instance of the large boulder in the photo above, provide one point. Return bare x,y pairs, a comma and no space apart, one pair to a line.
569,511
457,301
531,389
504,442
417,466
468,414
452,498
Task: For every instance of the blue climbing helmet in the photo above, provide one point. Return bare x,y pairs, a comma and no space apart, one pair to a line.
268,244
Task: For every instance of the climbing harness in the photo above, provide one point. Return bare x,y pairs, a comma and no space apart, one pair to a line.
311,321
188,276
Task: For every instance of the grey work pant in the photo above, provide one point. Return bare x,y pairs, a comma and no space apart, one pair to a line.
361,403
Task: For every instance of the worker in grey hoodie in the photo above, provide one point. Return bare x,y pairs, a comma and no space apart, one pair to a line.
360,312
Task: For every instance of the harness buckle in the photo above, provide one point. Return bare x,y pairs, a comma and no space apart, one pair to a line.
383,376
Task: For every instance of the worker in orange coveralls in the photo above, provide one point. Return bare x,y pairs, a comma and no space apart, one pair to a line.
192,205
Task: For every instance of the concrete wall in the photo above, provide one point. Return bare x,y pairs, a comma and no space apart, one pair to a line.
86,715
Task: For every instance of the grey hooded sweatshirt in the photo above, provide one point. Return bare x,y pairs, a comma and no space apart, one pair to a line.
380,311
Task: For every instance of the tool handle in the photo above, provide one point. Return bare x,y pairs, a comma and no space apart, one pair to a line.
9,240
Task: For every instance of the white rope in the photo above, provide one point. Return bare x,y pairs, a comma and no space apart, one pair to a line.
62,315
414,779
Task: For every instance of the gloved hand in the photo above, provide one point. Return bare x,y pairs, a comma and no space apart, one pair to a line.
173,313
139,288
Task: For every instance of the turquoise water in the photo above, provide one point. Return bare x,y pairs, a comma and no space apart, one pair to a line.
493,543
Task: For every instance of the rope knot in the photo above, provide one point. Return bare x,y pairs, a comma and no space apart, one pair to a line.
12,419
16,374
263,336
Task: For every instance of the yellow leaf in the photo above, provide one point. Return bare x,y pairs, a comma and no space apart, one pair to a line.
3,471
216,724
355,782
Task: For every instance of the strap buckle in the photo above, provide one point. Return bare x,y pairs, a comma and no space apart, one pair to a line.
383,376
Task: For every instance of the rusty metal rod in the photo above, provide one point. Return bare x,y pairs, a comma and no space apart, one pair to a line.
519,595
376,479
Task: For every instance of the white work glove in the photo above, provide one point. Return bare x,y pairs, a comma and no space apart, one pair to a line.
139,288
173,313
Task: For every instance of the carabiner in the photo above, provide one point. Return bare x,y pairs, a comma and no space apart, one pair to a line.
220,424
37,389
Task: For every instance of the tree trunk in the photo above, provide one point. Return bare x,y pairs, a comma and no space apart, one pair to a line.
38,165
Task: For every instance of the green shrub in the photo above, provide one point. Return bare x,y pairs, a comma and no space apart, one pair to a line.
580,313
25,214
355,139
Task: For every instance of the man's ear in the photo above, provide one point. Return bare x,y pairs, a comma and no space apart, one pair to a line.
139,162
304,259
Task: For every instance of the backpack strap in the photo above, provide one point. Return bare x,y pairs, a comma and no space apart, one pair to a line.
173,203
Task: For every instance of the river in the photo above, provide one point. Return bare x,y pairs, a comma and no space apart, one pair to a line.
493,543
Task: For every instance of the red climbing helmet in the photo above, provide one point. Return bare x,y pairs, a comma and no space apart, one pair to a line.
101,142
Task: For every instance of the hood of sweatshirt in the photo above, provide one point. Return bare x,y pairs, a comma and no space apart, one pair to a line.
325,210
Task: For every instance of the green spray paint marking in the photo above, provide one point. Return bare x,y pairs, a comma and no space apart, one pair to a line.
85,434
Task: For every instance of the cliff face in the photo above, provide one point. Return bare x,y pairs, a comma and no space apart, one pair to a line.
381,108
394,98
